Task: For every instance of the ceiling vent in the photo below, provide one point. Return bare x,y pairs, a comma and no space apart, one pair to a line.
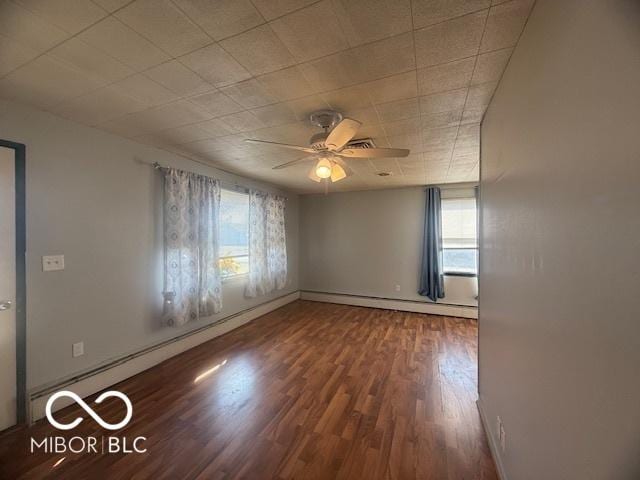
361,143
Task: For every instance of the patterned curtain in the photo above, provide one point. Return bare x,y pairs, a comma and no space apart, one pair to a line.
191,272
267,244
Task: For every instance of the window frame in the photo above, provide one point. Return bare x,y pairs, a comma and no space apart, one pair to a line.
457,273
235,276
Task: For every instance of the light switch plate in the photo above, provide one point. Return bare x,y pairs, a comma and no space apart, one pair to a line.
51,263
78,349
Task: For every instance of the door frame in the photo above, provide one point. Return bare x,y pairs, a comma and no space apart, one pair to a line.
21,284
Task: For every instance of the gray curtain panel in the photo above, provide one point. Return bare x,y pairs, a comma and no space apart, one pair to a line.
431,275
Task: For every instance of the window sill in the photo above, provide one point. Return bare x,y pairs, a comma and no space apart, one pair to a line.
460,274
234,278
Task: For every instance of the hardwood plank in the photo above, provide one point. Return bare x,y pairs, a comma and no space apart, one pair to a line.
310,390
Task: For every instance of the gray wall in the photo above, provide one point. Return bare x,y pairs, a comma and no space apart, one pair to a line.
560,264
89,199
366,243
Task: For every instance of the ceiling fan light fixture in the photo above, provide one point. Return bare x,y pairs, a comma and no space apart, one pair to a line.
323,168
337,173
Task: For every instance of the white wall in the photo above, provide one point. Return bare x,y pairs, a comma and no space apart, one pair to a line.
90,199
366,243
560,263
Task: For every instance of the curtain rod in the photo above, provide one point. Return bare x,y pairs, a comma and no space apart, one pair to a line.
223,184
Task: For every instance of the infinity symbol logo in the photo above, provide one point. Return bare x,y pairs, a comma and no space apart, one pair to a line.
87,408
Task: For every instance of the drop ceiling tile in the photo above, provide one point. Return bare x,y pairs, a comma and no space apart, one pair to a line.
367,116
46,81
259,50
402,127
70,15
215,65
215,128
90,61
28,29
178,78
178,135
271,9
311,32
443,102
274,115
441,120
480,95
387,57
451,40
98,106
449,76
116,39
472,115
14,54
144,90
505,24
242,121
250,94
430,12
217,103
334,71
396,87
286,84
437,157
303,107
364,21
297,133
349,98
111,5
165,25
490,66
222,18
468,136
398,110
386,165
439,139
170,115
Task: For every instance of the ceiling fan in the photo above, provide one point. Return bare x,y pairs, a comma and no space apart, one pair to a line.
330,147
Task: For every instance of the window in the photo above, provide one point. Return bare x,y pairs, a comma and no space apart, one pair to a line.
459,239
234,233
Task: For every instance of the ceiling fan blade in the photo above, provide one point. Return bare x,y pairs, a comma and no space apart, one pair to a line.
294,162
373,152
342,133
283,145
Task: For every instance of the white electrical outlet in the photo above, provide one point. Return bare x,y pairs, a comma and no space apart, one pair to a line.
78,349
51,263
397,288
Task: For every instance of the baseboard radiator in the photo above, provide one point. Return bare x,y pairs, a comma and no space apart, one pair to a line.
391,304
115,371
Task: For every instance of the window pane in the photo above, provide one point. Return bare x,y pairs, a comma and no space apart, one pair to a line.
234,233
459,222
459,260
234,266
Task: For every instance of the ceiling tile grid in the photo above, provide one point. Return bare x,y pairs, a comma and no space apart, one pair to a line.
198,77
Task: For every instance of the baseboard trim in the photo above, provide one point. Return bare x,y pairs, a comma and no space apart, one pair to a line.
391,304
118,370
495,452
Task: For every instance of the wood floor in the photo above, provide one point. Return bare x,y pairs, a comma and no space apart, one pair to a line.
311,390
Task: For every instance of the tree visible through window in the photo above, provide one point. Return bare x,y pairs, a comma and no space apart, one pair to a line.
459,236
234,233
